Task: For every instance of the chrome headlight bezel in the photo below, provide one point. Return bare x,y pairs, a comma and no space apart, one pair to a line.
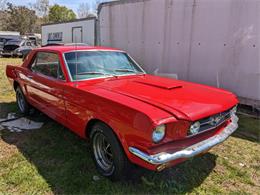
233,111
17,50
194,128
159,133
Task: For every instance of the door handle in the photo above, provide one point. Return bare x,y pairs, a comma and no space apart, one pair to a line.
30,76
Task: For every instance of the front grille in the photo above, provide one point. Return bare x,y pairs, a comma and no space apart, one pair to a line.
213,121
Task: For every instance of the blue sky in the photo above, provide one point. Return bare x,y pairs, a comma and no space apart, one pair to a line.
72,4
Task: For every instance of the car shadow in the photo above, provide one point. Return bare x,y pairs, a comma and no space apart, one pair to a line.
64,161
253,137
248,128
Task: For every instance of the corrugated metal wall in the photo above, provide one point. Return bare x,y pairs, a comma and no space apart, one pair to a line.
214,42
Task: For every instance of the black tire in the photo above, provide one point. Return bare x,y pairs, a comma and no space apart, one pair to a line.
22,104
119,165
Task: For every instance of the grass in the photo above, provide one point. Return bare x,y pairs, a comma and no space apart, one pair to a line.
52,160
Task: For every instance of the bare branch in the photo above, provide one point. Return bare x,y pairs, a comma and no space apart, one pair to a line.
83,10
2,5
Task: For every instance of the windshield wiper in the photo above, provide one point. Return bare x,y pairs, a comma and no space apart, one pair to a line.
124,70
91,73
129,70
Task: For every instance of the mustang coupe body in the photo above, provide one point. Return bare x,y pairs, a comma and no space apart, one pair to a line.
130,117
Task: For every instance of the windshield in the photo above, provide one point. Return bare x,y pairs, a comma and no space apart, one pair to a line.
94,64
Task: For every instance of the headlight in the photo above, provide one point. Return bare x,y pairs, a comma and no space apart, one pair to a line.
194,128
158,133
233,111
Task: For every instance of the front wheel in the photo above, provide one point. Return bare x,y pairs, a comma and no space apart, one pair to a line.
22,103
108,153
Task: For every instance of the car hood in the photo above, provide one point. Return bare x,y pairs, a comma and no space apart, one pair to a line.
10,47
182,99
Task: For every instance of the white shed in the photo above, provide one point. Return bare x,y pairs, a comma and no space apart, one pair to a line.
76,31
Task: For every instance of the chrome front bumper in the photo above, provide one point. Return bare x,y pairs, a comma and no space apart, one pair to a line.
191,151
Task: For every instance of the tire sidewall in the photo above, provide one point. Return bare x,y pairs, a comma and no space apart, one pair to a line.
110,171
25,105
119,158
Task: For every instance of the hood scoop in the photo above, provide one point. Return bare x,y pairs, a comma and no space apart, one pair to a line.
162,85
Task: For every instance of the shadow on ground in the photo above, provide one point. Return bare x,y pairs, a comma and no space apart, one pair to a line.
65,163
249,128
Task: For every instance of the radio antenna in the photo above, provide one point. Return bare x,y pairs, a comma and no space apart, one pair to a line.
76,64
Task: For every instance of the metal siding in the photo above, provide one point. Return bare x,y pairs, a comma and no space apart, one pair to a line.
214,42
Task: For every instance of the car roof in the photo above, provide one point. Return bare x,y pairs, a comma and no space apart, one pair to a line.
69,48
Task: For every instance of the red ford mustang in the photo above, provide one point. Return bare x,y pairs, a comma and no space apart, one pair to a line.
128,115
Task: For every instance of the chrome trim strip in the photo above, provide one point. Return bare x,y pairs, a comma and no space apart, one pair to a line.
215,115
84,50
190,151
67,67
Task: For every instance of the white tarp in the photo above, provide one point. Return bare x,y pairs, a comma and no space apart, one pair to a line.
19,124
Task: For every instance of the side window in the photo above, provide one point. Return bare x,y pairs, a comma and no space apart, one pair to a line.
48,64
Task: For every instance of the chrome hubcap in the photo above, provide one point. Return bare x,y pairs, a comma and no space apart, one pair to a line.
20,101
102,152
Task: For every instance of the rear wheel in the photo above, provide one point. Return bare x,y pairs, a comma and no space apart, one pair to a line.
108,153
22,103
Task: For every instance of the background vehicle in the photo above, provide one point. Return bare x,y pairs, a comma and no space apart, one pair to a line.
35,38
4,39
7,35
129,116
17,48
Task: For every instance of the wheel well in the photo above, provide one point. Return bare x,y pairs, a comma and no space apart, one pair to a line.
16,84
92,122
89,126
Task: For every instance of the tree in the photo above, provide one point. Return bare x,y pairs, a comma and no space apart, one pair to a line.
2,14
61,14
19,18
83,10
41,7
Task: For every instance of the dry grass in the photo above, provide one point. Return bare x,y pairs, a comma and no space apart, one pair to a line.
52,160
5,88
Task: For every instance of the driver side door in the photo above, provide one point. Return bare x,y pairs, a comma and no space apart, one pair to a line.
46,86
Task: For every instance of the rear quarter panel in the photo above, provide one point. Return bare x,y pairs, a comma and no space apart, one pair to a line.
10,72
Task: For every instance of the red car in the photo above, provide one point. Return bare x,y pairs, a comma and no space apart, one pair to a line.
129,116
